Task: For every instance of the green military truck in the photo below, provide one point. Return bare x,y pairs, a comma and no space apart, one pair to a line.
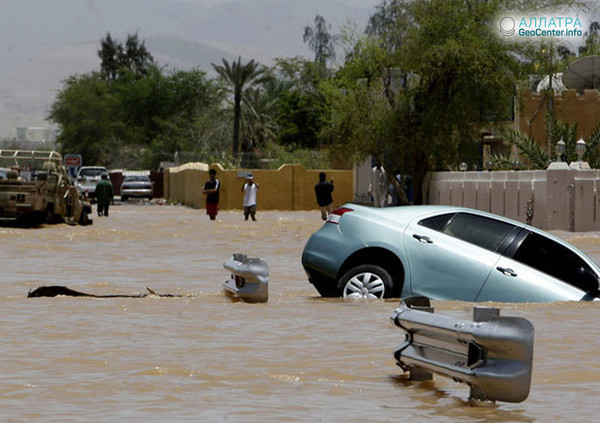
35,187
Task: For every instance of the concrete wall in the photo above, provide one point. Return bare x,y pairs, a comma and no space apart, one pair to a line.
362,179
291,187
560,198
586,200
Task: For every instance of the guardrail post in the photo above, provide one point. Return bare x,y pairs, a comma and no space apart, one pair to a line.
249,279
418,374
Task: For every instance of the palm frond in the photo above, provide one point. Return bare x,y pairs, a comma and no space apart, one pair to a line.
529,148
593,148
502,162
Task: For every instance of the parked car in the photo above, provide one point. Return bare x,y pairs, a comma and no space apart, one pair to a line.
139,186
444,253
87,178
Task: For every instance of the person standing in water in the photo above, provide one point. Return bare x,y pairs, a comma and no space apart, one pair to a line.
104,195
249,189
323,192
211,190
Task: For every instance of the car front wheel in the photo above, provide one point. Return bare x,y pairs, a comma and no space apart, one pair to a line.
366,281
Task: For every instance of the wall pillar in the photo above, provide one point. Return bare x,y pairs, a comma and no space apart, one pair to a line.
559,197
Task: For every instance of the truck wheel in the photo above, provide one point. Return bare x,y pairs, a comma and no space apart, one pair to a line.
50,216
85,220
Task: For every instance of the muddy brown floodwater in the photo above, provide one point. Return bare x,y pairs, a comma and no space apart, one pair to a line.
205,358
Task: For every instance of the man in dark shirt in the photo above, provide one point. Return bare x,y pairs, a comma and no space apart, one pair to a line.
323,190
211,190
104,195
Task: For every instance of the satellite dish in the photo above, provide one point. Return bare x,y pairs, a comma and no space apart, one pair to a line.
583,74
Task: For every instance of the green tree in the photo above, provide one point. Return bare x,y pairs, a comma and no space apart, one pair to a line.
321,42
299,120
260,111
133,119
88,116
300,107
415,106
387,24
136,57
592,40
117,59
160,109
239,78
304,74
109,53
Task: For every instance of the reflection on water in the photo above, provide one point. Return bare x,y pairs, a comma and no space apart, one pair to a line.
205,358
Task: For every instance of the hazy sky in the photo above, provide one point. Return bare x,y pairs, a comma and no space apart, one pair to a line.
43,42
361,3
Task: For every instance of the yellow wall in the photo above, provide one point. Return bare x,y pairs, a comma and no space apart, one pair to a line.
291,187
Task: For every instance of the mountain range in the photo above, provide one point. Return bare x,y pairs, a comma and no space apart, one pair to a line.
44,42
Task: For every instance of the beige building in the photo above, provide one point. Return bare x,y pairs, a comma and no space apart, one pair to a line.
569,106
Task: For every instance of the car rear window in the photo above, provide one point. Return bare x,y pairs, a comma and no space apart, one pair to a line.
136,179
437,223
92,172
479,230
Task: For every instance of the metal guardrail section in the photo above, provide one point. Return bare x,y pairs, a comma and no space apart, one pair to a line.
249,279
491,354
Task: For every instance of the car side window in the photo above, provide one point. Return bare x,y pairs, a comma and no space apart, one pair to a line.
556,260
479,230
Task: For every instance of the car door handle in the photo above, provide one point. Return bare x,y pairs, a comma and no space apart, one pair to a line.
506,271
422,238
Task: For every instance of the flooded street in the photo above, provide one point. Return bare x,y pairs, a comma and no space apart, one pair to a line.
203,357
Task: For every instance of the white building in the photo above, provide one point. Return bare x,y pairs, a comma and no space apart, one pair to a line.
36,134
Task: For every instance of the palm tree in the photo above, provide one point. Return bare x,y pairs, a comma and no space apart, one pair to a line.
259,110
239,78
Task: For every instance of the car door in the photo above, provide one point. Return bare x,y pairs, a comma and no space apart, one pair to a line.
538,268
451,255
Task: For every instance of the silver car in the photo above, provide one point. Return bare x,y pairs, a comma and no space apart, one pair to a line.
87,178
444,253
138,186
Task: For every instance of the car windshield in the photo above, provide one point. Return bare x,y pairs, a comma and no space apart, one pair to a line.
136,179
92,172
